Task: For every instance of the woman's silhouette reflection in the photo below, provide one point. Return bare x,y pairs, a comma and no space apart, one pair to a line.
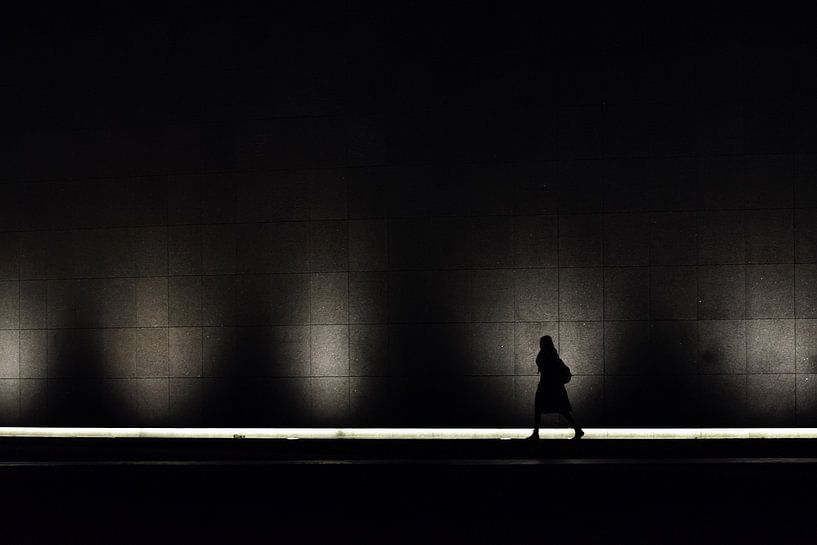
551,396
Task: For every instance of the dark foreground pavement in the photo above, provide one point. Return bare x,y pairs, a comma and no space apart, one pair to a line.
424,492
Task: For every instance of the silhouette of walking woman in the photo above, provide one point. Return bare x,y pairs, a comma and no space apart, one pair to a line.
551,396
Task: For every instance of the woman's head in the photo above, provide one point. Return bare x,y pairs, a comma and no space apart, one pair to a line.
546,343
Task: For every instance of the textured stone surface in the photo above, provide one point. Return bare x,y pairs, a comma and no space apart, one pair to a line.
353,237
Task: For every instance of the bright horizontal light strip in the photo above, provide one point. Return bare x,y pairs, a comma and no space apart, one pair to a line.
408,433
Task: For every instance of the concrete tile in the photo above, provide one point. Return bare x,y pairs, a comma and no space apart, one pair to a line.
673,239
185,346
421,350
367,245
581,347
9,256
368,350
721,183
450,248
626,293
769,180
408,243
254,248
119,350
289,298
535,242
218,300
328,194
9,354
185,301
118,301
290,350
115,249
804,289
289,246
673,293
76,353
624,399
626,186
151,302
536,294
367,297
218,249
329,295
493,349
721,237
486,399
150,251
721,292
370,401
253,300
805,236
626,239
9,305
492,295
627,348
330,350
769,236
770,346
488,193
368,191
254,197
9,402
330,400
805,194
806,399
184,250
148,400
806,346
290,195
770,291
218,198
673,183
33,304
186,402
673,346
220,352
152,352
33,353
329,242
721,346
183,200
581,240
492,242
581,294
770,399
719,400
33,402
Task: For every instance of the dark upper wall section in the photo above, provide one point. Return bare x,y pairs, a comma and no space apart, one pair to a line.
335,215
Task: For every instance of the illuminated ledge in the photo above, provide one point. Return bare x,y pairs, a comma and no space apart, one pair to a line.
409,433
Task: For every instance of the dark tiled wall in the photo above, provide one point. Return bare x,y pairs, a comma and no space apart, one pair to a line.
369,236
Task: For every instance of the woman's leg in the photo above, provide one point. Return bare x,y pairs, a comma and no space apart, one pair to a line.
537,418
570,420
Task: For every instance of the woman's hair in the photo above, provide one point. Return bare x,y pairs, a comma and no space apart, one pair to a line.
546,346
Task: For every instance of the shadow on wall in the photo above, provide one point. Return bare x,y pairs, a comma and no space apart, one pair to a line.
250,380
81,391
656,382
430,385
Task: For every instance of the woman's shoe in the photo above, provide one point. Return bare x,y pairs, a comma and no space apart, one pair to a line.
532,436
579,433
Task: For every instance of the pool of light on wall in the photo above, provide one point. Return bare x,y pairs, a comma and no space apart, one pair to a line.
409,433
